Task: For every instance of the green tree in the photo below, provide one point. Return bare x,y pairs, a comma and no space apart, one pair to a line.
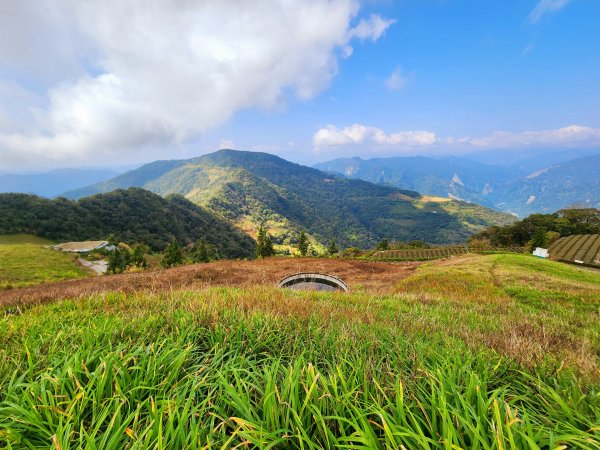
384,244
173,255
539,238
118,260
138,256
113,262
264,246
303,243
332,249
552,237
200,252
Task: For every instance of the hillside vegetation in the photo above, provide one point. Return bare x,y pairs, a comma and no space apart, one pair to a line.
541,230
253,189
491,352
25,261
132,215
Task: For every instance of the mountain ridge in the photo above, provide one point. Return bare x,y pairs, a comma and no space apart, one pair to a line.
254,188
546,188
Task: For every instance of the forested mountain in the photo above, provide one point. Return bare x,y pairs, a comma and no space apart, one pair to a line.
132,215
451,177
52,183
251,188
552,186
574,183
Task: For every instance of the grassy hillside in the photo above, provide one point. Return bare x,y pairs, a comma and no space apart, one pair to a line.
494,352
123,215
253,188
25,261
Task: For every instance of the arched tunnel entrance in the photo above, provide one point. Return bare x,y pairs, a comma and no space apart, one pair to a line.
313,282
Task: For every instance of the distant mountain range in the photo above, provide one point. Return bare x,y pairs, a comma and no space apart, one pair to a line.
132,215
514,189
573,183
452,177
250,188
53,183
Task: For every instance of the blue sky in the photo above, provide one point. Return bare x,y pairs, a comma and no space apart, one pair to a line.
118,83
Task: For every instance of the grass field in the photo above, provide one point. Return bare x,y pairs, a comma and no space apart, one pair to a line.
488,352
25,261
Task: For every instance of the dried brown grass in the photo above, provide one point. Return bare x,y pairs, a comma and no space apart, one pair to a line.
372,277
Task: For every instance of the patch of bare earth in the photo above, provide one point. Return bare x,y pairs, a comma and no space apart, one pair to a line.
373,277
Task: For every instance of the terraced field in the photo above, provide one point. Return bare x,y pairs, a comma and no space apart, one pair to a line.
423,254
582,249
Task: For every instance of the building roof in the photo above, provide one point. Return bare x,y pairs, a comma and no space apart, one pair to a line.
80,247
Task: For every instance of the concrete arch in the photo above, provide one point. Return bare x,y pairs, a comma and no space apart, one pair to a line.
313,281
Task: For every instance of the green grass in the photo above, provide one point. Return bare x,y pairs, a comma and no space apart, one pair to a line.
26,264
425,367
23,239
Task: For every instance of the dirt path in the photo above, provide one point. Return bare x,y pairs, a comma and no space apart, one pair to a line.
99,267
359,275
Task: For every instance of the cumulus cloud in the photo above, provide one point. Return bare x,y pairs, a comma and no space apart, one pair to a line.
546,6
146,73
396,80
375,139
331,136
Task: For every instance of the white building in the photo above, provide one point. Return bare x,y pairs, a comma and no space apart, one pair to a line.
541,252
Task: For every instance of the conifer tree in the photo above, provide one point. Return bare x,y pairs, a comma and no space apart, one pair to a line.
200,252
383,245
332,249
303,243
264,246
172,256
113,261
138,256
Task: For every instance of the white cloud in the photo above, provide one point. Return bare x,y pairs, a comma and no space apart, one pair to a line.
376,140
331,136
142,74
570,136
546,6
371,28
396,80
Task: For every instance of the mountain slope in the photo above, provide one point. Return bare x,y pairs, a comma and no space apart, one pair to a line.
52,183
125,215
452,177
258,188
574,183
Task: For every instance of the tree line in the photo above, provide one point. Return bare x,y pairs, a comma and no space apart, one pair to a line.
541,230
